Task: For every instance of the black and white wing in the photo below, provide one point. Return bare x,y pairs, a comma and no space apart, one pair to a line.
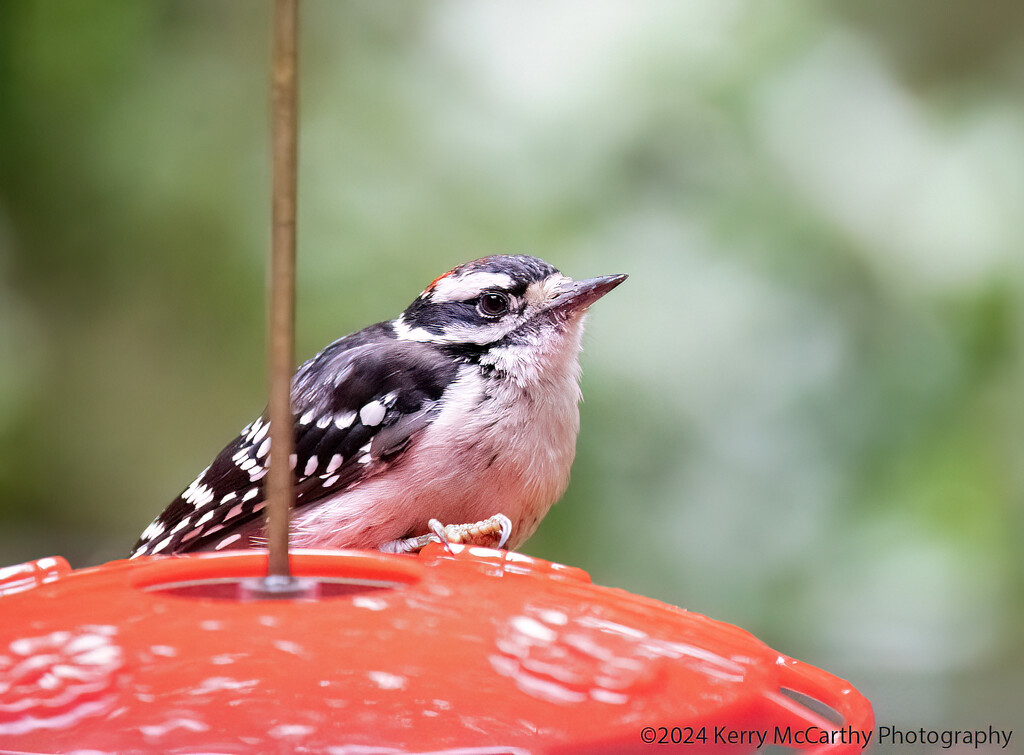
357,405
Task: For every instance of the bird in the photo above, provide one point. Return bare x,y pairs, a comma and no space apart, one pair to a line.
463,409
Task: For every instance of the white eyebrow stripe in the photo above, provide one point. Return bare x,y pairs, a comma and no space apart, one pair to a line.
462,287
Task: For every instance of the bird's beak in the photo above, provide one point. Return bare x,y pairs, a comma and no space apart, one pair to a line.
577,296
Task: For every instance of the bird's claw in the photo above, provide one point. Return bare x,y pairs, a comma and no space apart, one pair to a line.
483,533
441,534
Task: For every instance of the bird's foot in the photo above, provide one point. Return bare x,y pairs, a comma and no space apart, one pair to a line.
489,533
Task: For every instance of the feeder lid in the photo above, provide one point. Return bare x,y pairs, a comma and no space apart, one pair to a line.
482,650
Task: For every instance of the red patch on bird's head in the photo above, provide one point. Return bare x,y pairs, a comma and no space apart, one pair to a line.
465,266
438,279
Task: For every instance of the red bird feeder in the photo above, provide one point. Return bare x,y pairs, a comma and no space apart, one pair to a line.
479,651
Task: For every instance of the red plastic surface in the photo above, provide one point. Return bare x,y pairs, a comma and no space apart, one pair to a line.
485,651
32,574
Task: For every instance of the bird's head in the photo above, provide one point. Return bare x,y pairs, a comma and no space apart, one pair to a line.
514,310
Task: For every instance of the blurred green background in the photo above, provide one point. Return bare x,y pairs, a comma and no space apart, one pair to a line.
804,412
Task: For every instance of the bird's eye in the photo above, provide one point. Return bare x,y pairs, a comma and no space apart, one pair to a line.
492,305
